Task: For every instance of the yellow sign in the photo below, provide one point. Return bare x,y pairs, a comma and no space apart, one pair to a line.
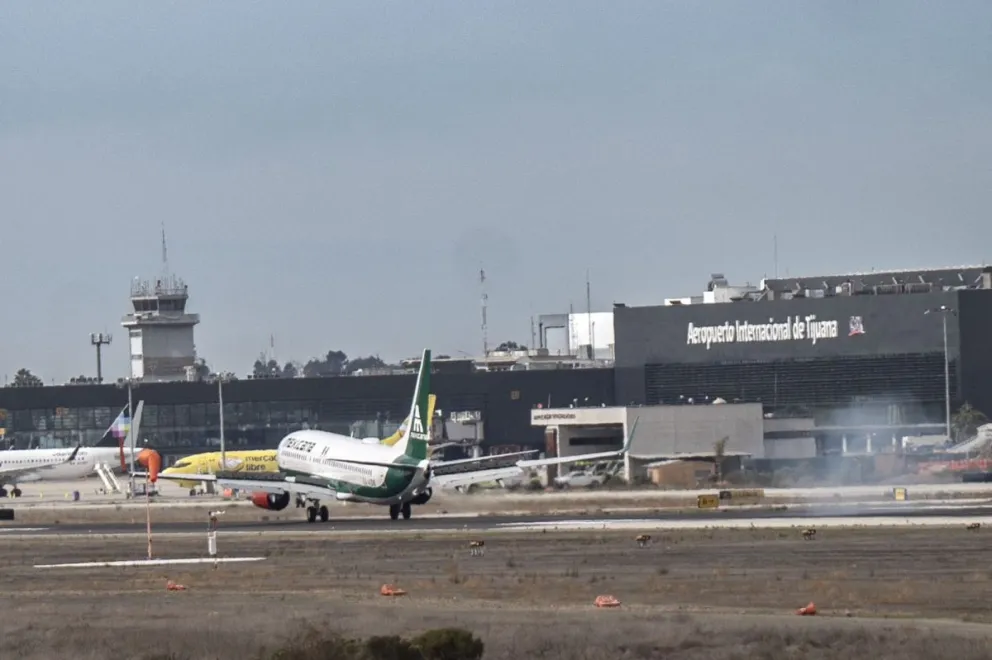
708,501
900,494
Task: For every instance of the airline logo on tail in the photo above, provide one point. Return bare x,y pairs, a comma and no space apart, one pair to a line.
122,425
417,428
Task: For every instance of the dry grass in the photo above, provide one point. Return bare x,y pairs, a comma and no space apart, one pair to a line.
707,594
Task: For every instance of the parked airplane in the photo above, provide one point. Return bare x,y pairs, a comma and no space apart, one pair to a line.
20,466
318,467
258,460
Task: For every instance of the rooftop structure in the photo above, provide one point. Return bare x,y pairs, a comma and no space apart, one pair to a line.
893,282
929,280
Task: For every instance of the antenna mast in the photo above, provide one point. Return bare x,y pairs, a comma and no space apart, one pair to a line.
165,257
485,300
775,253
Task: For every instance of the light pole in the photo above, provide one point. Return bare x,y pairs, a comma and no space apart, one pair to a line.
99,340
220,409
220,404
129,383
944,310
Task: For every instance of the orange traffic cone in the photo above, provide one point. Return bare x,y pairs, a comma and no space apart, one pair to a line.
391,590
809,610
606,601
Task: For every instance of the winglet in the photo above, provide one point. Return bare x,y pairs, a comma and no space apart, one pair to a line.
630,436
72,456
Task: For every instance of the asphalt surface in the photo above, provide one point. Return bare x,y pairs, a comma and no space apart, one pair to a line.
490,522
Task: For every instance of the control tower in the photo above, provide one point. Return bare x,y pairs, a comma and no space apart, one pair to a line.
160,330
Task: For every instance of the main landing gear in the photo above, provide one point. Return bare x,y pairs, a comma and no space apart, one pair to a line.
14,492
396,509
315,510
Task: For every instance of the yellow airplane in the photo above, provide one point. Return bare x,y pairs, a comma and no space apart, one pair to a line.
257,460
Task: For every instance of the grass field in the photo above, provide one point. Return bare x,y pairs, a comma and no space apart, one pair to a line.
709,594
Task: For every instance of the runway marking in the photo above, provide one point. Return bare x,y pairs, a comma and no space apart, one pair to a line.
12,530
748,523
151,562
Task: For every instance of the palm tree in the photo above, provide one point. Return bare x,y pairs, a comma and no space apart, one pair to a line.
719,452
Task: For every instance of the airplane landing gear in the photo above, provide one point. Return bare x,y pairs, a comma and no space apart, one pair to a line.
314,510
396,509
16,492
3,492
407,511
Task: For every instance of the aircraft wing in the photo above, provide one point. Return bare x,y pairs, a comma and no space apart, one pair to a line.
456,479
598,456
483,459
560,460
268,482
13,469
465,472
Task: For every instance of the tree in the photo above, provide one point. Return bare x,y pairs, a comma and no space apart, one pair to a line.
289,371
24,378
508,346
719,453
332,364
370,362
965,422
266,368
201,368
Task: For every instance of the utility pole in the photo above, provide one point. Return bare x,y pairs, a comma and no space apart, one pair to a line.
592,350
485,321
99,340
220,399
944,310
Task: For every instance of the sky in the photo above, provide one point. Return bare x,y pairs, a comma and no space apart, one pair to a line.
335,175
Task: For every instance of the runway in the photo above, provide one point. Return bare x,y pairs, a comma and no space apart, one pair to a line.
907,513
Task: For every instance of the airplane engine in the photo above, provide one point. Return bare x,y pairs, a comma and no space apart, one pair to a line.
270,501
423,497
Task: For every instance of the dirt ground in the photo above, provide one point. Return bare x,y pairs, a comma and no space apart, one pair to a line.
700,594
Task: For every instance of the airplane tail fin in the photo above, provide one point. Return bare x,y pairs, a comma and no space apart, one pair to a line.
114,435
415,438
395,437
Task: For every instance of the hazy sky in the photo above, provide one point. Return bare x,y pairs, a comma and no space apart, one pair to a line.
335,174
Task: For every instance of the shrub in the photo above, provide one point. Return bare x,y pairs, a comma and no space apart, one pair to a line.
444,644
449,644
392,647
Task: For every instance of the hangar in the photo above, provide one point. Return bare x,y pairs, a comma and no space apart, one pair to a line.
657,433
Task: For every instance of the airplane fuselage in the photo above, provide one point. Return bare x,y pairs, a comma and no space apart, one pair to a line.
329,459
83,465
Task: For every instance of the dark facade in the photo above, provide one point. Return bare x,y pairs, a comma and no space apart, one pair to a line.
183,418
826,353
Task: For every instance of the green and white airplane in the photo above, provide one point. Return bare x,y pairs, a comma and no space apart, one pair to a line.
318,466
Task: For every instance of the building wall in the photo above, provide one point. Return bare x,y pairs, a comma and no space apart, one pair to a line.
975,321
667,430
687,475
780,444
258,413
885,347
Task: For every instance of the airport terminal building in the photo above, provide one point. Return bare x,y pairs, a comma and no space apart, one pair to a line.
852,352
181,418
